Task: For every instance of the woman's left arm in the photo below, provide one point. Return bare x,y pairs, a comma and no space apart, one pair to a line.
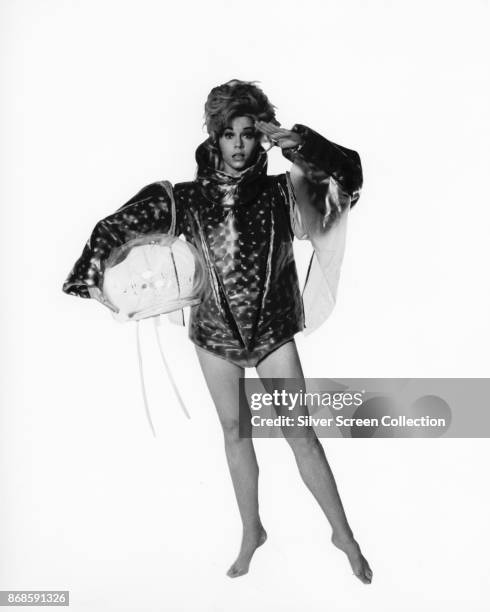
320,159
316,161
324,183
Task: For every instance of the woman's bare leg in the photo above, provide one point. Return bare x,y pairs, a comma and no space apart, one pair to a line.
222,381
312,463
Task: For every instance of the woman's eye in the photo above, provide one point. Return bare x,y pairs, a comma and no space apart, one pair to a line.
228,135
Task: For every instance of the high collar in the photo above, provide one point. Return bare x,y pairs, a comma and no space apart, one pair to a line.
222,188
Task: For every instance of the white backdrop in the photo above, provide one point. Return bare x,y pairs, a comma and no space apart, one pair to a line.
101,97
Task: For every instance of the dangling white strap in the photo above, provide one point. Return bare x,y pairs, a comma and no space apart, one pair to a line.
169,373
142,379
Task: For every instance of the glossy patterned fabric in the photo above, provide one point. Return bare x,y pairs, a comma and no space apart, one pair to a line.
243,228
252,303
321,159
146,213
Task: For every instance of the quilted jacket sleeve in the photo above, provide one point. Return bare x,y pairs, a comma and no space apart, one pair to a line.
319,164
324,183
320,159
149,211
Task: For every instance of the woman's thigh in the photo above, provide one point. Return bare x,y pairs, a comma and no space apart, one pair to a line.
282,363
281,370
222,379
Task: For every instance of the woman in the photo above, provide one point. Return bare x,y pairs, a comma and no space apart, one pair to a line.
242,222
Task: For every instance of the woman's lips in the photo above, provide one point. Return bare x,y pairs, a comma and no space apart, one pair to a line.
238,156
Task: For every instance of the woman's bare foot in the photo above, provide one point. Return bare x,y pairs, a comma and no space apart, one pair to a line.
251,540
359,564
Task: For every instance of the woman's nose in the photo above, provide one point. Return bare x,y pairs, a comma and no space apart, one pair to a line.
238,142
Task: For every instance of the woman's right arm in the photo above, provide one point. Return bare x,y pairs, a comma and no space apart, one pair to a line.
149,211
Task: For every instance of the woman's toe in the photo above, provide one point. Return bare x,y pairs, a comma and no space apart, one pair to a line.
233,572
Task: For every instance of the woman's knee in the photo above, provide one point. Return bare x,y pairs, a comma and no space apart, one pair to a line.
304,444
231,429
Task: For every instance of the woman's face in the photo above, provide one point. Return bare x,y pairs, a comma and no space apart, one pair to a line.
237,144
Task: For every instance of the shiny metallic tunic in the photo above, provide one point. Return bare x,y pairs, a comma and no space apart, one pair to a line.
242,228
252,302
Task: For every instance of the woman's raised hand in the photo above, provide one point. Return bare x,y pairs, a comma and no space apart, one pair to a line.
278,135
